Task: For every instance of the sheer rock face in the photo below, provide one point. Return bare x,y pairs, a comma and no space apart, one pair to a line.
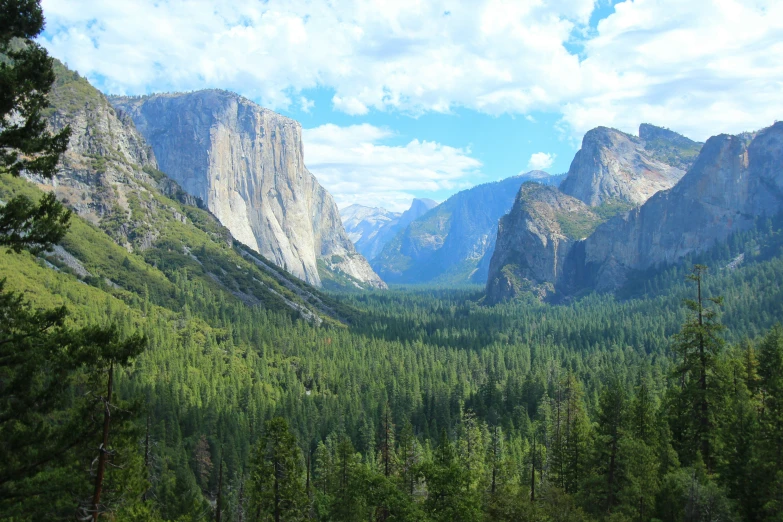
735,180
534,240
246,163
613,166
555,240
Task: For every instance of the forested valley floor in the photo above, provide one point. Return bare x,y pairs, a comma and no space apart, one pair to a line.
422,404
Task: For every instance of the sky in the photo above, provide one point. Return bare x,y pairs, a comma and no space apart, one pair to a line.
423,98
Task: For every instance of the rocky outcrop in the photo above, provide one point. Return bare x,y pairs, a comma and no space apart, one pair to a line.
371,228
734,181
419,207
108,169
534,240
246,163
109,176
453,243
617,168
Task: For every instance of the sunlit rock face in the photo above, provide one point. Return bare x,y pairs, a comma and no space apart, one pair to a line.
534,240
614,167
734,181
246,163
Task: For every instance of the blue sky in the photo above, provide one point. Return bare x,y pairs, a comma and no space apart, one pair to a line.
421,98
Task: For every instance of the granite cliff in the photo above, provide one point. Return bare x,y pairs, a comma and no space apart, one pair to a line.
371,228
453,243
145,232
534,240
617,168
246,163
733,182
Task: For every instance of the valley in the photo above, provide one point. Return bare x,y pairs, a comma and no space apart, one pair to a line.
191,328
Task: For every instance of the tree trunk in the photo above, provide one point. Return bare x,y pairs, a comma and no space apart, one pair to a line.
96,498
220,488
611,474
704,406
533,471
277,491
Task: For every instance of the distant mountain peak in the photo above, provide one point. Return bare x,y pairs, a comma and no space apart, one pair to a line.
534,174
453,242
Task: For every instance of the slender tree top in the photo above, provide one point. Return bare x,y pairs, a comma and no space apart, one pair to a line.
26,77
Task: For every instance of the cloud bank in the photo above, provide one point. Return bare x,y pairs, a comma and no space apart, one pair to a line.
699,66
356,167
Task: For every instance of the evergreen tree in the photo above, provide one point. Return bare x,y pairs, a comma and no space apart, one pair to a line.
610,432
697,346
26,77
277,490
771,416
449,493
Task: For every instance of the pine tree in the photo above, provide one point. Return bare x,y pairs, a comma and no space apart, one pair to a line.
611,411
277,490
26,76
771,416
698,345
409,458
449,494
738,430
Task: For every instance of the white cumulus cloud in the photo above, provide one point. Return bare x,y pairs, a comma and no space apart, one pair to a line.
541,160
356,167
697,66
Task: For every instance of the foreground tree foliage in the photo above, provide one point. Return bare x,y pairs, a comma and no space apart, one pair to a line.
53,406
277,490
26,76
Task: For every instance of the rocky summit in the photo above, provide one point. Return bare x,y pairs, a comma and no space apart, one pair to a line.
733,182
246,163
613,167
534,240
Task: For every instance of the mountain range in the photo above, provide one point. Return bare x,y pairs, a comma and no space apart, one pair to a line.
137,229
371,228
563,244
453,243
627,204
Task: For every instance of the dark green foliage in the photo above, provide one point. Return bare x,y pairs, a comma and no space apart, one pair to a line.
25,225
697,347
276,488
53,398
449,493
26,76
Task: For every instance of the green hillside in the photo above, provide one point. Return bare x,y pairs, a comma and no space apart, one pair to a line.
218,365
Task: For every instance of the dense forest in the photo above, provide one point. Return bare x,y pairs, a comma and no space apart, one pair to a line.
133,387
